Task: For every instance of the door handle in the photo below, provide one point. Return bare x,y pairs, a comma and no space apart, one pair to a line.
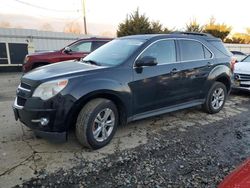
174,71
210,64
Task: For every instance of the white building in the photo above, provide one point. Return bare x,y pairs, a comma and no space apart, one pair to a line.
16,43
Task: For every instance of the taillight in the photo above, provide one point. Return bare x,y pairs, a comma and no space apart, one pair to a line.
232,63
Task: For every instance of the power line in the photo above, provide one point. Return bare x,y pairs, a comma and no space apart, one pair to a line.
44,8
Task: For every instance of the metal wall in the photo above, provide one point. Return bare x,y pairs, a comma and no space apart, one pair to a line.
245,48
42,40
34,40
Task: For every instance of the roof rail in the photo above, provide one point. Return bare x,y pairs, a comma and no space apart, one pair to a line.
193,33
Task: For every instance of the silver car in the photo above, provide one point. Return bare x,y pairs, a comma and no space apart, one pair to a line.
242,74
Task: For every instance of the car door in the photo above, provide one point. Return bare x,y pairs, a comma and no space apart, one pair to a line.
159,86
197,62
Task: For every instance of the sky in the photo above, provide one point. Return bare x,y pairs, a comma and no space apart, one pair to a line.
105,15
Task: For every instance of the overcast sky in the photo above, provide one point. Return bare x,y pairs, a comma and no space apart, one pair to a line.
172,14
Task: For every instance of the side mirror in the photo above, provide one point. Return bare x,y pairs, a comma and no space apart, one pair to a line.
67,50
146,61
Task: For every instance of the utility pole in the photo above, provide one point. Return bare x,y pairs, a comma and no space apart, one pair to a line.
84,17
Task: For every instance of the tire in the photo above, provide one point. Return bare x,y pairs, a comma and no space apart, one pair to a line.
217,92
92,119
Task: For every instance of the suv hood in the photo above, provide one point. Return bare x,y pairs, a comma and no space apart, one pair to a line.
64,68
44,53
242,67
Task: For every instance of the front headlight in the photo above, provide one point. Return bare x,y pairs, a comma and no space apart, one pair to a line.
49,89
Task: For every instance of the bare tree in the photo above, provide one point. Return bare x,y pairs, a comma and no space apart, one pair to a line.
72,27
4,24
46,27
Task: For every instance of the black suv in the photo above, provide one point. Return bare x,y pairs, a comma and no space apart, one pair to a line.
127,79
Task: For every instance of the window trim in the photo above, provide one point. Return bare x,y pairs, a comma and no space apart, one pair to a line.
177,50
181,61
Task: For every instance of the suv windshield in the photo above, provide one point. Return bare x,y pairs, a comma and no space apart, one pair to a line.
247,59
114,52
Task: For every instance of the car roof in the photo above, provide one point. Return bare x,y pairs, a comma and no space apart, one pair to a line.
191,35
94,38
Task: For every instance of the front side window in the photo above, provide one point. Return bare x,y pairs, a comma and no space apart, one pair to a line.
192,50
81,47
163,51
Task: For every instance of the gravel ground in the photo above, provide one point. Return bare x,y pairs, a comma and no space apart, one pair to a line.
197,156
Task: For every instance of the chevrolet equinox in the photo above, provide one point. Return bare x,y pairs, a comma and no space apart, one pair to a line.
127,79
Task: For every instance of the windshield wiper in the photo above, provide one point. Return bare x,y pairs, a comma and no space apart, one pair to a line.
92,62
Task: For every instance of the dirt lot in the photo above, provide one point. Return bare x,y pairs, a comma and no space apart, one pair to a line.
187,148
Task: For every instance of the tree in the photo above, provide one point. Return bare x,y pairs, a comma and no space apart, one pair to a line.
248,30
4,24
241,38
46,27
218,30
134,24
72,27
156,27
193,26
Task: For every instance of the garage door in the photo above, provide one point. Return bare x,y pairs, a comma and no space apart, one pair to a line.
3,54
17,52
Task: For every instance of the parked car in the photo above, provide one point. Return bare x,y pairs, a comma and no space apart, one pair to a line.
239,55
239,178
76,50
127,79
242,74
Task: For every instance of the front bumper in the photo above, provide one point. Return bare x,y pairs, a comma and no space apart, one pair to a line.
31,117
241,85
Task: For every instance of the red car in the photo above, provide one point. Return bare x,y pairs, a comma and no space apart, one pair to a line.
76,50
239,178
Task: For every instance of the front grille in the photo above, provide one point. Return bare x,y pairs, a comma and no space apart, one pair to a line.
25,86
21,101
244,77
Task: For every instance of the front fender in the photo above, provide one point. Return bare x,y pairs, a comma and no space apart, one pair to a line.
85,89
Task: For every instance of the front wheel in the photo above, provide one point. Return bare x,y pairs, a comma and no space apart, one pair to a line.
216,98
97,123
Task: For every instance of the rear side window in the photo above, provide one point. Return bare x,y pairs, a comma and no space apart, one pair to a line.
97,44
163,51
193,50
220,47
208,54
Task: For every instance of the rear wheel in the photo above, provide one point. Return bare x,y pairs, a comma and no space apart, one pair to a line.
97,123
216,98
